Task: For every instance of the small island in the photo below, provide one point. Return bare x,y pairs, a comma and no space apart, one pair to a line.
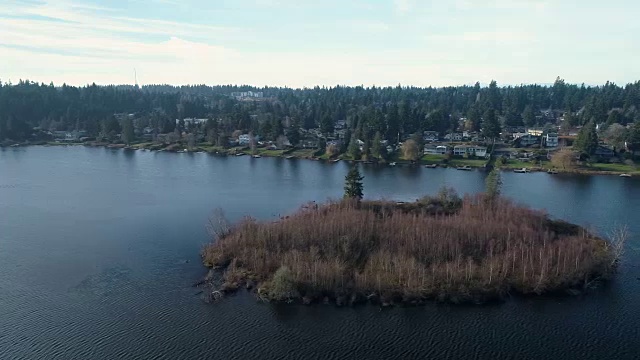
445,248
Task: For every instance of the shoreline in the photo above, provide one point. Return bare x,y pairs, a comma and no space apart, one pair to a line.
309,154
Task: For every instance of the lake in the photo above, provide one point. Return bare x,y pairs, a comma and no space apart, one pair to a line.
99,249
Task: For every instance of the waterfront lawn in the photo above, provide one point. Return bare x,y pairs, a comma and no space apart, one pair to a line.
432,159
303,153
265,152
468,162
623,168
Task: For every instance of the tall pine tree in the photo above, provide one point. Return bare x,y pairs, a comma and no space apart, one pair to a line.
353,184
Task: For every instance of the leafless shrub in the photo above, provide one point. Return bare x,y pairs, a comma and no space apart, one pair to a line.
415,249
218,226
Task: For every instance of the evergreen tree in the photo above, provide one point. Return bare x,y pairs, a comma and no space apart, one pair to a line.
491,125
127,131
354,148
326,124
633,141
293,134
587,141
346,141
528,116
377,146
322,144
353,184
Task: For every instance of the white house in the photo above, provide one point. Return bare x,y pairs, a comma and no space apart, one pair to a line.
479,151
453,137
460,150
551,140
435,150
470,150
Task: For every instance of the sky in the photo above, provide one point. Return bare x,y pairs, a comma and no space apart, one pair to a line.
304,43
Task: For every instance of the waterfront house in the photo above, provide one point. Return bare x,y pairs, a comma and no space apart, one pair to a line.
309,144
435,150
470,150
551,140
605,151
528,140
244,139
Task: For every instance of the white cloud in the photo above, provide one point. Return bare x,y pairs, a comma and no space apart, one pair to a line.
104,46
403,6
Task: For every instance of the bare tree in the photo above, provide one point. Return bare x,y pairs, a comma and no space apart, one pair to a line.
332,150
410,150
218,225
617,239
564,158
281,141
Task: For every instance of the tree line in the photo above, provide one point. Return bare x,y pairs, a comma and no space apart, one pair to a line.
390,112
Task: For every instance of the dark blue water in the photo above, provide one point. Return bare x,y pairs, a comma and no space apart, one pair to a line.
99,248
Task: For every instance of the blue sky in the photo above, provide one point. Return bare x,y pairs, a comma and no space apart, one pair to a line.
300,43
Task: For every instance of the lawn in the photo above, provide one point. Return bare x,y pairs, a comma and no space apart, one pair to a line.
432,159
468,162
303,153
623,168
265,152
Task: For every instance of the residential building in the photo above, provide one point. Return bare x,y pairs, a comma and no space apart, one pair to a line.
605,151
535,132
453,137
528,140
240,95
430,136
435,150
309,144
470,150
551,140
244,139
188,121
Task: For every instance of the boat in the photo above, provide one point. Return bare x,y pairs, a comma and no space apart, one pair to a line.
625,175
392,164
466,168
256,156
239,154
523,170
289,157
335,160
550,171
431,166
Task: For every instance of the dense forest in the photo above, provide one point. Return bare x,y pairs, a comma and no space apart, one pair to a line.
390,111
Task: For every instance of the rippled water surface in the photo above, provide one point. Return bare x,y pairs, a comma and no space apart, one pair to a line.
99,248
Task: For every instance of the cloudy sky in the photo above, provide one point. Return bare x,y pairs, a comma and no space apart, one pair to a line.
301,43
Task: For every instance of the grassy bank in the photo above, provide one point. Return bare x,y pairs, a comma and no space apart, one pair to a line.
444,248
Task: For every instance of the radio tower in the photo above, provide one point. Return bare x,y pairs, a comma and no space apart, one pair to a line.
135,75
